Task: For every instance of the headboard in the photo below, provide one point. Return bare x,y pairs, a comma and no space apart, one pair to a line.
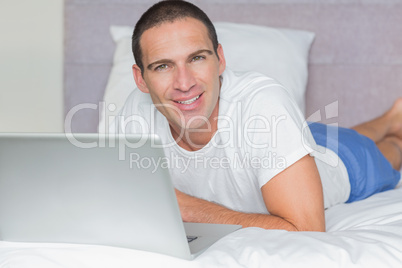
356,58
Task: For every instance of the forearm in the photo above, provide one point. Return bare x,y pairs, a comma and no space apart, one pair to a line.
213,213
198,210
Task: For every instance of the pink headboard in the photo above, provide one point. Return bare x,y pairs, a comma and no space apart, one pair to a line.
356,58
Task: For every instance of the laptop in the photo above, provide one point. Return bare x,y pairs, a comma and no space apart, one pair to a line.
95,189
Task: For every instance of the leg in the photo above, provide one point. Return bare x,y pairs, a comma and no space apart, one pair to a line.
386,132
391,148
390,123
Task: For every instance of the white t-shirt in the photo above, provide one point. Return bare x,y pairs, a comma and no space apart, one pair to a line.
261,132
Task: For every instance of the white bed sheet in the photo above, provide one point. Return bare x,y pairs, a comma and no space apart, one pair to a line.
367,233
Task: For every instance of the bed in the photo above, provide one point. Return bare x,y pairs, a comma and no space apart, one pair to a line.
362,234
352,52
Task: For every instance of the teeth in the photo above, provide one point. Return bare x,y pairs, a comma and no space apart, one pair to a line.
189,101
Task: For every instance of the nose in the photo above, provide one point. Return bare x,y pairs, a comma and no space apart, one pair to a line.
184,78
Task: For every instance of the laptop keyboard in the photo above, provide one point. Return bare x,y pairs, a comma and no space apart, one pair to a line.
191,238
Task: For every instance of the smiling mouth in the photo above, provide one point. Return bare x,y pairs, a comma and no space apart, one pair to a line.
189,101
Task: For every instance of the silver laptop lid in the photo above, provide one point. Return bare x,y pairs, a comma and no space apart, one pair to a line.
89,189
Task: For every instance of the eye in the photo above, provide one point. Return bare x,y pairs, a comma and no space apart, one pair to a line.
161,67
197,58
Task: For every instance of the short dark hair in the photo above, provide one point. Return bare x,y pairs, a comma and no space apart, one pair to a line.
169,11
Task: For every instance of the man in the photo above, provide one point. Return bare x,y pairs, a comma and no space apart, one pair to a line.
243,152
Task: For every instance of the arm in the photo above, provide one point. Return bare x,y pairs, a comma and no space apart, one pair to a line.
293,197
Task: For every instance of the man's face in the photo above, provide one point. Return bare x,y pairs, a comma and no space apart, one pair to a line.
181,73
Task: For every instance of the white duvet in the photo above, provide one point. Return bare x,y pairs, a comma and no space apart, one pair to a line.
362,234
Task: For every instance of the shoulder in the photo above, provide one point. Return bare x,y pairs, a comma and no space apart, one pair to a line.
249,87
136,103
135,115
257,94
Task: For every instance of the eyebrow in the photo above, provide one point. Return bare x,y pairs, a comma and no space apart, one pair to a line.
164,61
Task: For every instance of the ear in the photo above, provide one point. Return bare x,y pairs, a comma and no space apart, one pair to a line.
139,80
222,60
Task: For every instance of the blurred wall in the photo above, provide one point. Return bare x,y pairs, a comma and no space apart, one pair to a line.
31,62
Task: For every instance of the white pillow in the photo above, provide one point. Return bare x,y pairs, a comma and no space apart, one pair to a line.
278,53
